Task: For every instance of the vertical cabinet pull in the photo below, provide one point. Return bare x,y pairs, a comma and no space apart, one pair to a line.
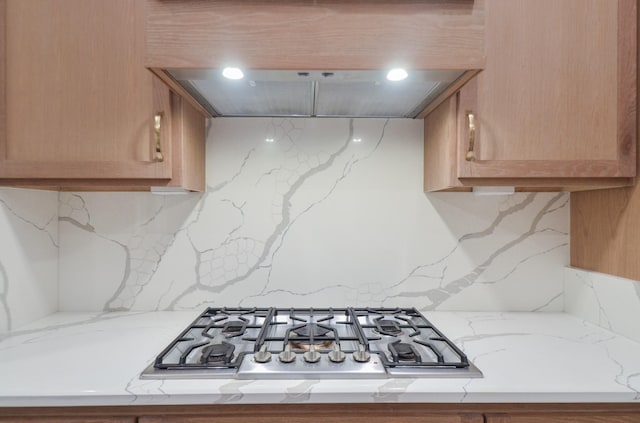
158,156
472,137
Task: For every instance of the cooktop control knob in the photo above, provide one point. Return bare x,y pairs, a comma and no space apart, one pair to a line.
336,355
262,356
361,355
311,356
287,356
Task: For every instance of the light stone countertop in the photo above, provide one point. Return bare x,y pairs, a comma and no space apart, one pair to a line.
95,359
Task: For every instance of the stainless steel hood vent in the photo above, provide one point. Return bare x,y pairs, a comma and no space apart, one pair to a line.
323,93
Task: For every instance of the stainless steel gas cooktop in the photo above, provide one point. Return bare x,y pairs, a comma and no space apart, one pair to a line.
297,343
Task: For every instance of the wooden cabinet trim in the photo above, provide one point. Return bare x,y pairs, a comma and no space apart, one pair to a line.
287,411
447,93
3,80
563,417
188,145
179,89
73,419
80,170
362,417
627,85
204,34
543,168
556,184
440,128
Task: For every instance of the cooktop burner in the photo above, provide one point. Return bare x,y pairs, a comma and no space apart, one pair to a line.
280,343
311,330
387,327
234,328
217,353
401,351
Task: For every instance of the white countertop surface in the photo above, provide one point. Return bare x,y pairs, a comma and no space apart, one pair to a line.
96,359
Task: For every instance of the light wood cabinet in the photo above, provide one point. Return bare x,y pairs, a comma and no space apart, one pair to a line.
605,228
363,418
79,107
555,107
564,418
312,35
336,413
68,419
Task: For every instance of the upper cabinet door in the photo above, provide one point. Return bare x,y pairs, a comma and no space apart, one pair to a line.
557,98
78,102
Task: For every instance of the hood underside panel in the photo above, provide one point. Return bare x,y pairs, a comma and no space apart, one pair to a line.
326,93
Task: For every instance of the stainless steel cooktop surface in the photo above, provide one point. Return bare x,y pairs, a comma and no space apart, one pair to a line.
301,343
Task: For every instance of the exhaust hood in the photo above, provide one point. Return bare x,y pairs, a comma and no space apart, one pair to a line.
319,93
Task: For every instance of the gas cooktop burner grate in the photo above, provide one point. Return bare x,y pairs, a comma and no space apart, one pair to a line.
387,327
217,353
401,351
312,342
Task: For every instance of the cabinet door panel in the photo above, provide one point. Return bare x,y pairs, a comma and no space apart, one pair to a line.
79,101
365,418
557,96
69,419
564,418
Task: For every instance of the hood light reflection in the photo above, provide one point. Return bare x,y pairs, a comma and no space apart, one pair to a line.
397,74
233,73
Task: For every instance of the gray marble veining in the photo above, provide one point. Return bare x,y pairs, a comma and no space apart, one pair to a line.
558,358
605,300
312,218
28,256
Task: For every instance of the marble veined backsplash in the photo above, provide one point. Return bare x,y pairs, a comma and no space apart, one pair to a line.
608,301
312,212
28,256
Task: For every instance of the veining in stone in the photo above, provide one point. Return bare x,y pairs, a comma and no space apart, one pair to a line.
4,301
589,364
392,390
28,256
604,300
39,227
300,392
314,219
446,289
232,391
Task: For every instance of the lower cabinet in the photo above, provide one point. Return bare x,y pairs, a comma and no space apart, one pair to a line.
334,413
72,419
564,418
435,418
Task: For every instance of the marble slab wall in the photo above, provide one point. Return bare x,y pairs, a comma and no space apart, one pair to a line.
608,301
313,212
28,256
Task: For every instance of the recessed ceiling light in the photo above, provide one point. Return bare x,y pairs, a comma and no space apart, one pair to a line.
397,74
269,139
357,140
232,73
